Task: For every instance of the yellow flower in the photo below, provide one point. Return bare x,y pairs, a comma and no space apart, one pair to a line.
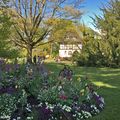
79,79
82,92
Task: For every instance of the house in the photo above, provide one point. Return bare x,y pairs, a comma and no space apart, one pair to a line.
66,50
71,42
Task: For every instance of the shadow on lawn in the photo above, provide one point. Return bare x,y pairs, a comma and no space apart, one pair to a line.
107,77
109,81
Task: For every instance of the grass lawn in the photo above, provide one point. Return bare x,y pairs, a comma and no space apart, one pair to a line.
109,81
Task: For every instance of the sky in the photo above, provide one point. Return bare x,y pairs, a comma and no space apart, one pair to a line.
91,7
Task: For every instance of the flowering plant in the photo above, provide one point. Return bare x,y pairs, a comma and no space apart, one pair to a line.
49,98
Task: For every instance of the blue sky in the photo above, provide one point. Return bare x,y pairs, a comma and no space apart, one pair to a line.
90,8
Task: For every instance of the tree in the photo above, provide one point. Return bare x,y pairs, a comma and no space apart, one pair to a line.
92,50
65,31
6,51
30,18
109,25
103,49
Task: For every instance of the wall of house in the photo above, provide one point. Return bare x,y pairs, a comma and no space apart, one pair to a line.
68,50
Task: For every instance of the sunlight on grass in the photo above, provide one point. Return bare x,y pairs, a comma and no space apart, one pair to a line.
110,74
102,84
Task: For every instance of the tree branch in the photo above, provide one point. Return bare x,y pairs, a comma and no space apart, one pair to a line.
19,6
31,4
16,42
37,20
35,10
43,43
22,38
41,38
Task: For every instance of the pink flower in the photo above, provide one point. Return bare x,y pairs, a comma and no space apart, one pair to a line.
63,97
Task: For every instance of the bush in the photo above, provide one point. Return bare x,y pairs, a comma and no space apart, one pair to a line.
93,60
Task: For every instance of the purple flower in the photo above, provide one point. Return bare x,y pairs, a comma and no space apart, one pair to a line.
46,111
10,90
2,62
2,90
7,67
98,99
17,66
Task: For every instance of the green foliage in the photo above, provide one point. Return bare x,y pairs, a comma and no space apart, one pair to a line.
109,25
103,49
7,104
64,31
6,51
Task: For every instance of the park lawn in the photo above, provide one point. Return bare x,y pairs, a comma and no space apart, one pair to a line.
109,81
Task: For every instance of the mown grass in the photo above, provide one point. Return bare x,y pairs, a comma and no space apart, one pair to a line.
109,81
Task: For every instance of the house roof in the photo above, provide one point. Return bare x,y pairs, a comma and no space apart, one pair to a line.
71,37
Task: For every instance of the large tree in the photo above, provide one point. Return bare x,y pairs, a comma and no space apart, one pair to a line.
109,25
30,17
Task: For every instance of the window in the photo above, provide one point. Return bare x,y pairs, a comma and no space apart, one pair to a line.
70,53
61,46
65,47
69,46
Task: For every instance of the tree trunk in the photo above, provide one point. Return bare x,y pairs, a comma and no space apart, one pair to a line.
29,54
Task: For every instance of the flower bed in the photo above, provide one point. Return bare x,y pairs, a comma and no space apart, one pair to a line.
22,98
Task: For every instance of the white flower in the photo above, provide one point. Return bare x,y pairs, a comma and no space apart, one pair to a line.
81,117
64,107
59,88
101,105
102,100
68,109
46,103
79,114
28,109
29,118
74,115
60,117
40,105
